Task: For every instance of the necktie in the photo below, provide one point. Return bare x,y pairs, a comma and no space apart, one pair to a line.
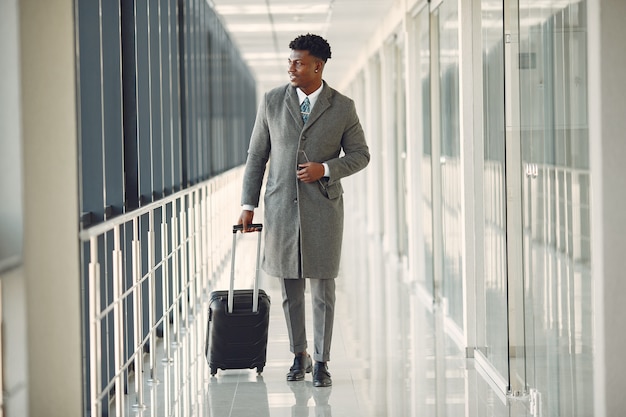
305,109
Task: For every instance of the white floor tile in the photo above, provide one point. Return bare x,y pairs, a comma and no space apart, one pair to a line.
379,369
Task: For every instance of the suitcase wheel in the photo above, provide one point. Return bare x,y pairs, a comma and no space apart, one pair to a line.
213,371
259,370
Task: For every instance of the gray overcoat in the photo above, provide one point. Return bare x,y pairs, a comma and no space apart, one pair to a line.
303,223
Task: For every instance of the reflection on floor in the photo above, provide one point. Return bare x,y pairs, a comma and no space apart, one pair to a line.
403,371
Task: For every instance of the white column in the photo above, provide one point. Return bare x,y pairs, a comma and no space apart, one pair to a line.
607,101
51,250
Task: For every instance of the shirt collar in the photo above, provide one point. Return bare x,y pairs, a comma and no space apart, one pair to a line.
312,97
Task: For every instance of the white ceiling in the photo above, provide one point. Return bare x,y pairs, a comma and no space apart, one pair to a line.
262,30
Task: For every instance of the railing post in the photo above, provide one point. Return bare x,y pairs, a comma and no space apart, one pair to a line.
95,356
184,264
199,262
137,314
166,287
118,334
175,271
176,260
191,237
152,296
206,262
184,295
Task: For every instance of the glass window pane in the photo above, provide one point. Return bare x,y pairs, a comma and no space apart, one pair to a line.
492,313
554,129
451,169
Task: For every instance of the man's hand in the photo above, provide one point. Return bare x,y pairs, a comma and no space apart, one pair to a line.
245,219
310,172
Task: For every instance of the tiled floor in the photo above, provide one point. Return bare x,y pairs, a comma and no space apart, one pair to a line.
418,381
243,393
390,357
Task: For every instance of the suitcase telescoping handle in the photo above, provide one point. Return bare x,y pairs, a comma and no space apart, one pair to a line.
231,290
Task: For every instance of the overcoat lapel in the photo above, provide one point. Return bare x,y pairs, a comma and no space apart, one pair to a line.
293,105
320,107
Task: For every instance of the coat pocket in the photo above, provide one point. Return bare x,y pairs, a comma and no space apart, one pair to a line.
333,191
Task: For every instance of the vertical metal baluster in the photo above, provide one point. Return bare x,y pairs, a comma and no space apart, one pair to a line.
208,258
166,288
166,315
200,267
205,241
176,387
152,296
198,252
183,365
210,246
193,292
198,261
167,406
153,403
95,353
191,255
137,315
201,261
202,278
210,250
176,248
118,334
184,264
175,273
217,219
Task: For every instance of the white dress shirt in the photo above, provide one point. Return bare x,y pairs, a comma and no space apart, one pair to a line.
313,99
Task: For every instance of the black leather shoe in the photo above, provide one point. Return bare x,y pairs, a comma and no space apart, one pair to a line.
321,376
301,364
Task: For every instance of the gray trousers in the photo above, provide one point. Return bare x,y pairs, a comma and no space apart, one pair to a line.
323,301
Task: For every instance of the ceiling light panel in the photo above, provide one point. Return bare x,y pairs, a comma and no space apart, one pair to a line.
288,9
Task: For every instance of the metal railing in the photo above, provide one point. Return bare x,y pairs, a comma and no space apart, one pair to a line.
150,272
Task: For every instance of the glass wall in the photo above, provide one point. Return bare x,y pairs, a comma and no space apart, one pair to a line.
450,163
492,330
165,102
555,152
401,154
532,287
421,66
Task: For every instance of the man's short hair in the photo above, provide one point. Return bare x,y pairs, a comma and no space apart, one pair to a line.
316,45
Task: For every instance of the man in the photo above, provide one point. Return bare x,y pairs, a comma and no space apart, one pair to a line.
302,128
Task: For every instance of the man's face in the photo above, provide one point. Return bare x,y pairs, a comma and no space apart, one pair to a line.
302,71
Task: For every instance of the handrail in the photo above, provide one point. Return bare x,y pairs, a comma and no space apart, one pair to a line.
108,225
145,278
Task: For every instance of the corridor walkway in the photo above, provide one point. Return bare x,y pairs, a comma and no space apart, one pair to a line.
426,376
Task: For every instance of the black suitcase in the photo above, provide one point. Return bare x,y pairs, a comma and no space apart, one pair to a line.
237,328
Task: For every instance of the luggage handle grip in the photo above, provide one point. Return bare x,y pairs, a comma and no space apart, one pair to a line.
231,290
256,226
